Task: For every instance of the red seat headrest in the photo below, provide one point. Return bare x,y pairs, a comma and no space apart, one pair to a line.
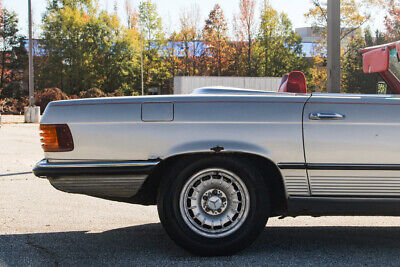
294,82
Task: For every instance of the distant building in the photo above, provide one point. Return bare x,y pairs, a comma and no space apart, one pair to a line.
37,49
310,36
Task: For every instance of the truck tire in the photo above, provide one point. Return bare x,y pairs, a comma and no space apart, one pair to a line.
214,206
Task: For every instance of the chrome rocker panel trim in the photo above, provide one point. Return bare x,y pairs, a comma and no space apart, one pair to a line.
343,206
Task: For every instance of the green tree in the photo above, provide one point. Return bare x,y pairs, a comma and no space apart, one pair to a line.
117,49
13,55
354,79
371,40
87,48
278,46
156,73
150,24
354,15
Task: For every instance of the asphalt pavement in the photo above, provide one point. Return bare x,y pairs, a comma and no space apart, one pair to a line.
40,226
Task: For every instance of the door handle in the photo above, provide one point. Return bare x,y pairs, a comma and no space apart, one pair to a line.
326,116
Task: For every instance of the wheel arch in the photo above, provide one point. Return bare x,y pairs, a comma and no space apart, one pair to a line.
268,169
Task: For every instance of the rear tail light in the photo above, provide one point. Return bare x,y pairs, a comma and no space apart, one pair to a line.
56,138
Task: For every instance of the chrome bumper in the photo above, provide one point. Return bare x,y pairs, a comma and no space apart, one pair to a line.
48,169
100,179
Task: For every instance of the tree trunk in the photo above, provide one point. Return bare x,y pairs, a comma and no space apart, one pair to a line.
250,69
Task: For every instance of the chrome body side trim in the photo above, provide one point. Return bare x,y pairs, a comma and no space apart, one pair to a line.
359,167
355,183
296,182
46,164
356,180
330,166
292,166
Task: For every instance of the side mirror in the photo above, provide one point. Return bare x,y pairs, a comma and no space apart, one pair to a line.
376,61
294,82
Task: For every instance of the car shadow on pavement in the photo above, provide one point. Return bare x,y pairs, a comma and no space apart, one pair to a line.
149,245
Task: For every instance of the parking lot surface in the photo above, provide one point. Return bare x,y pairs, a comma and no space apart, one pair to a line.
41,226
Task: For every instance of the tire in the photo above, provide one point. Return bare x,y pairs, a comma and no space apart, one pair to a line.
214,206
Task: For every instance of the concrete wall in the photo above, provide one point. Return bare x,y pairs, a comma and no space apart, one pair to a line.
186,85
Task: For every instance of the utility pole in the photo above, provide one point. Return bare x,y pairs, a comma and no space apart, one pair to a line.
32,113
334,72
141,60
31,73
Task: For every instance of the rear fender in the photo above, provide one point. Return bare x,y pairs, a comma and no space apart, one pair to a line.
217,147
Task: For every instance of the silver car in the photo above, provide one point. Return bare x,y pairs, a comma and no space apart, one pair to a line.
220,162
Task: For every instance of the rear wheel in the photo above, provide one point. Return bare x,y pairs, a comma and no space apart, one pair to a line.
214,206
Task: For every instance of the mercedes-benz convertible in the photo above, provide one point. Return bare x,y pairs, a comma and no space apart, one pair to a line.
219,162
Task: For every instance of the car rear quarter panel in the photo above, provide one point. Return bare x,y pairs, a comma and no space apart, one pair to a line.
113,129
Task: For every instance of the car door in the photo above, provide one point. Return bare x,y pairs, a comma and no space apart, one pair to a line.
352,145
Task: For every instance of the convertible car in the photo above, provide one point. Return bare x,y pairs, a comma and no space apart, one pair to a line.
219,162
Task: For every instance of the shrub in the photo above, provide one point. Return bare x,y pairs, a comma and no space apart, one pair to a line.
92,93
22,102
13,90
13,105
44,97
116,93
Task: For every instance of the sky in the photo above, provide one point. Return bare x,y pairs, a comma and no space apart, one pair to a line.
170,10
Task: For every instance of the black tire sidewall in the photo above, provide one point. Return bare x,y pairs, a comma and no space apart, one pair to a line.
179,231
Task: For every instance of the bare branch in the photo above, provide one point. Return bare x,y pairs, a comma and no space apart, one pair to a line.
350,31
319,6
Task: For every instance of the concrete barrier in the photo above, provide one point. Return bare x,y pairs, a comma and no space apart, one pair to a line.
32,114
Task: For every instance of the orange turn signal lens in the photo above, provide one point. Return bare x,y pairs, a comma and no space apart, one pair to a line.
56,138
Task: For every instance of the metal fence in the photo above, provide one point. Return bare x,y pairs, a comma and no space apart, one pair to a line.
186,85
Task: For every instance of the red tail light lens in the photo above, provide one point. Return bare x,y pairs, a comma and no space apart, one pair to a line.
56,138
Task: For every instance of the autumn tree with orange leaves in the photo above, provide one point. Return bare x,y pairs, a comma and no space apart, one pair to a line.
215,36
392,21
245,31
132,17
189,41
